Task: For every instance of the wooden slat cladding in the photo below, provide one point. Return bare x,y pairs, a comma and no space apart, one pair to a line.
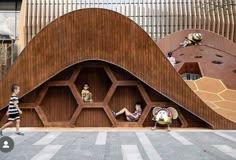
58,104
158,18
30,118
109,37
93,118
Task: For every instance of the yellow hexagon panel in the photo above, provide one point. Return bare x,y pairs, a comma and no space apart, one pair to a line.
208,96
210,85
229,95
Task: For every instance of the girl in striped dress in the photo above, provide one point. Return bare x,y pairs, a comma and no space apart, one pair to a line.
14,111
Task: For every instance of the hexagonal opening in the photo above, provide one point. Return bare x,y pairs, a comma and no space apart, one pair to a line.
125,96
93,117
98,81
190,71
178,61
58,104
198,57
216,62
218,55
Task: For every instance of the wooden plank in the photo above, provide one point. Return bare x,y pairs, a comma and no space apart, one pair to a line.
127,83
75,115
92,105
58,83
27,105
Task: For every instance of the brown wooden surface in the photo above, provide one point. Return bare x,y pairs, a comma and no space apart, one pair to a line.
190,67
110,37
93,118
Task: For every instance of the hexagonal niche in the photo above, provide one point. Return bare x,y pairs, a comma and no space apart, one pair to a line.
125,96
98,81
93,117
190,71
58,104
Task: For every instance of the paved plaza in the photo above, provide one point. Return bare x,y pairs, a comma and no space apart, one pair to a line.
121,144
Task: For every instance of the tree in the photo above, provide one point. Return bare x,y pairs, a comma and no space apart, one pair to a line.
4,56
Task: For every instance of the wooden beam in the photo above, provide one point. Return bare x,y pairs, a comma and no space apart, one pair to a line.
128,124
110,74
110,116
75,115
41,115
110,93
41,95
75,92
145,113
58,83
92,105
75,74
144,93
127,83
27,105
184,123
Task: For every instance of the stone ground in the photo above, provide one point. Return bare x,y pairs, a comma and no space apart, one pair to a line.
59,144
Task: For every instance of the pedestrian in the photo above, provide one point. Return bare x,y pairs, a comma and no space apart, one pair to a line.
13,111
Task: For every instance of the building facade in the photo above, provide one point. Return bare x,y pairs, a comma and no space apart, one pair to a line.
157,17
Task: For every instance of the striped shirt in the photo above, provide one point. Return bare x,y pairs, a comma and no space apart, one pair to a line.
136,113
12,108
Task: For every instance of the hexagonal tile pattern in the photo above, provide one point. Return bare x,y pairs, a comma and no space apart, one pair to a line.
210,85
214,93
229,95
208,96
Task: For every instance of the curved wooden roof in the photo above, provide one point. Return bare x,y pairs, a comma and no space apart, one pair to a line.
98,34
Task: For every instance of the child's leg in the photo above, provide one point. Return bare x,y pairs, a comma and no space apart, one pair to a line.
6,125
124,110
17,125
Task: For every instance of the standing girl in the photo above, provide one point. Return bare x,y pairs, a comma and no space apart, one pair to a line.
14,111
